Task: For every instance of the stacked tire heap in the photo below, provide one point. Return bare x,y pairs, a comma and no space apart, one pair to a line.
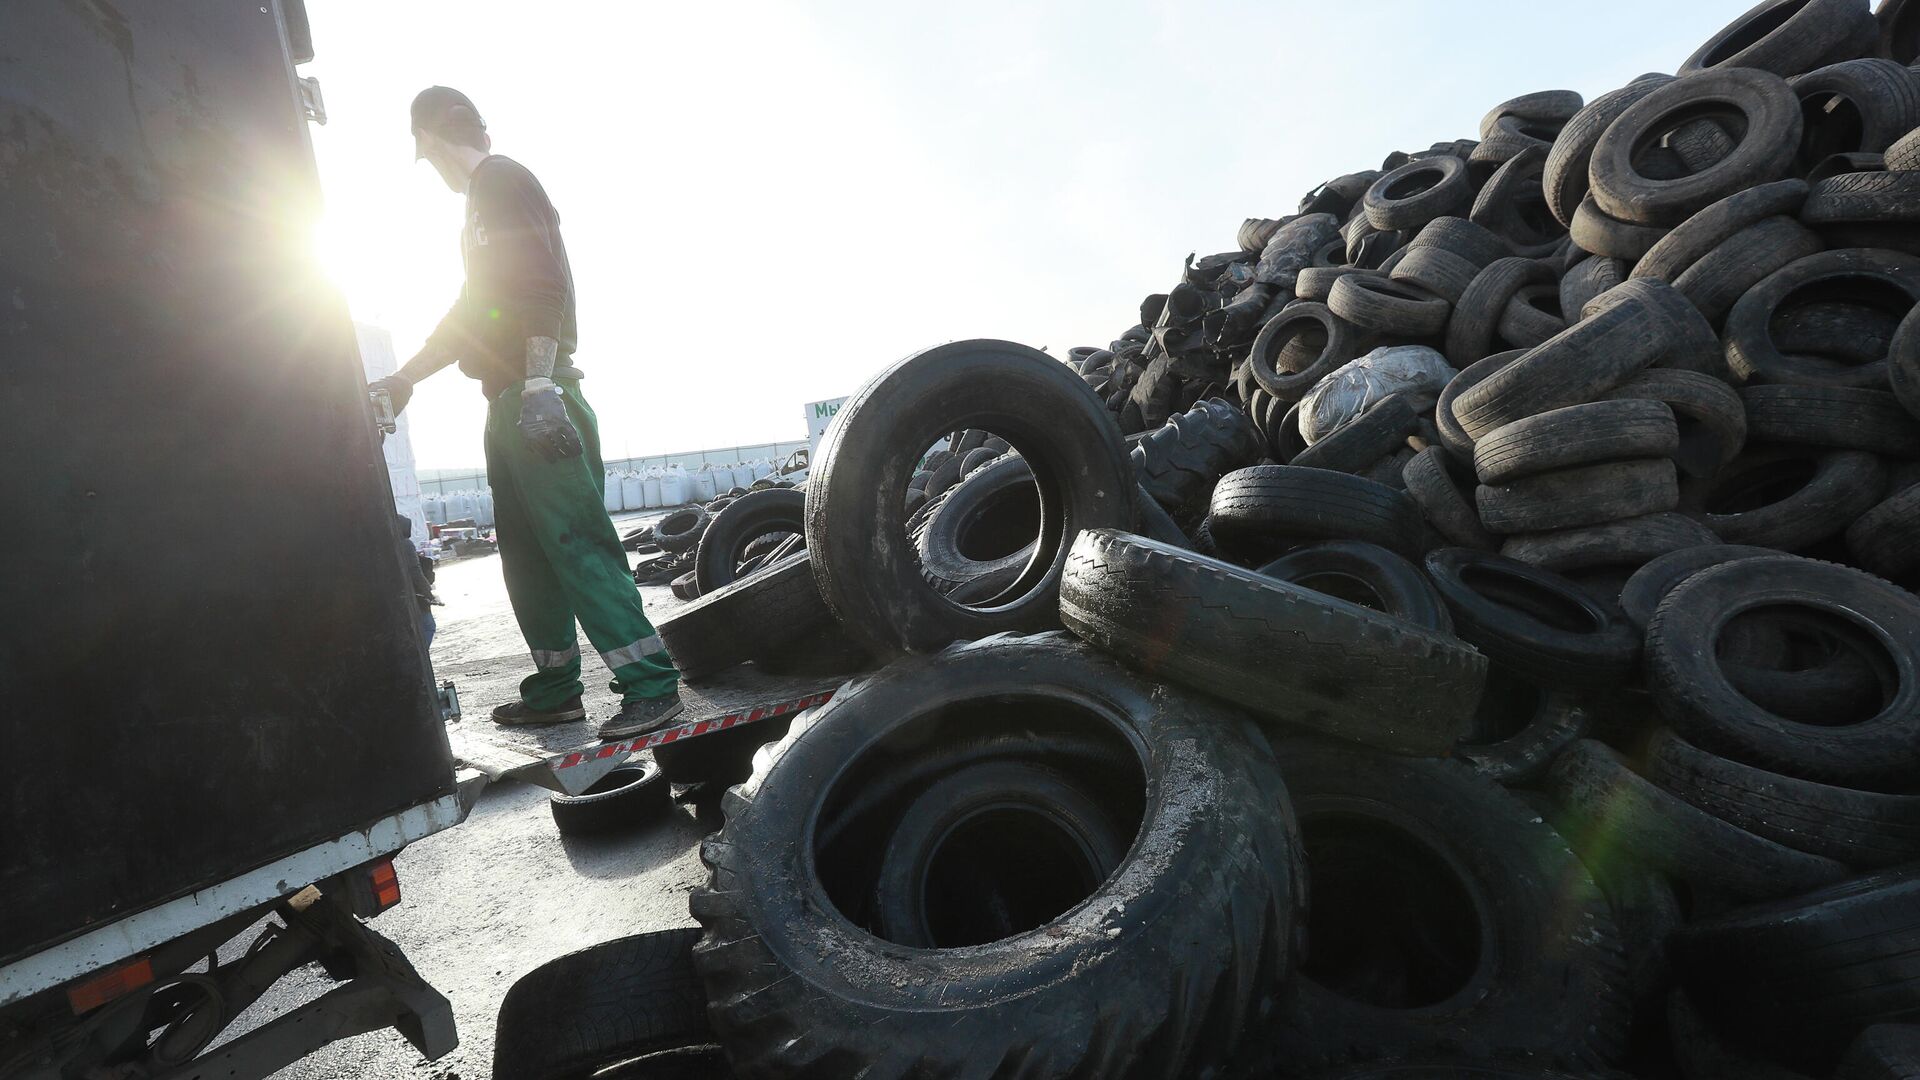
1493,656
746,540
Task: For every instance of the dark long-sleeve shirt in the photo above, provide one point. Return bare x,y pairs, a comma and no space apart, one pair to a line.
518,282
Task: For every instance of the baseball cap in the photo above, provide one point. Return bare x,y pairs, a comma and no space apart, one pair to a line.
444,111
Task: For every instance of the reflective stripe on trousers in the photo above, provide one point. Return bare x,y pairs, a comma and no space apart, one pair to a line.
551,658
629,654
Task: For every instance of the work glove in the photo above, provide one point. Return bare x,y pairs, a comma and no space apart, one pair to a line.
398,388
544,422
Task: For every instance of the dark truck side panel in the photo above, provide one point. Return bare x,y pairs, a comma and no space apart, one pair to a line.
208,651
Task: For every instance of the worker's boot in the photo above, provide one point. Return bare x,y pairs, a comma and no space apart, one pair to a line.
519,713
641,716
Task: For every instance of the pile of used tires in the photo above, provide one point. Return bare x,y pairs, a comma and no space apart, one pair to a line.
1466,631
747,537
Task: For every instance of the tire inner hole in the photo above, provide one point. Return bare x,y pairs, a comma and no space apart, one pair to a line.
1750,32
1839,673
1344,587
1391,924
1656,136
1833,125
998,872
1541,603
1008,521
1004,870
1762,486
1414,183
1848,319
1507,706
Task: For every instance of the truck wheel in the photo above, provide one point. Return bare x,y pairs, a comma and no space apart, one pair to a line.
625,798
1156,971
622,999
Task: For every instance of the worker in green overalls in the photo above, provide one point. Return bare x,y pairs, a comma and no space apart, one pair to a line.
513,329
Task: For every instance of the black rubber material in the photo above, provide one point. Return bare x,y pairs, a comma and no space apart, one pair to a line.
680,530
1802,976
1473,331
1610,804
1576,435
1590,358
1580,496
1405,856
1588,278
1712,421
1532,316
723,547
1384,306
1887,280
1692,344
1903,363
1436,270
1860,828
1532,622
1718,279
979,538
1564,181
1855,106
1786,497
1459,236
1157,970
1630,543
719,759
1882,1052
1596,231
1882,540
1702,1051
1770,115
747,620
1364,574
1880,751
1841,417
1512,206
1428,480
1785,37
1693,238
1904,154
1651,583
1352,673
1414,194
1097,839
1288,357
1452,436
625,798
863,563
1362,441
612,1002
1557,721
1847,206
1179,462
1258,512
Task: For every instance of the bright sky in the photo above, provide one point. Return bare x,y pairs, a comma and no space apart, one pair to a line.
766,202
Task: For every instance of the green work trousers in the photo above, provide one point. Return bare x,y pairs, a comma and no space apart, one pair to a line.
562,560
